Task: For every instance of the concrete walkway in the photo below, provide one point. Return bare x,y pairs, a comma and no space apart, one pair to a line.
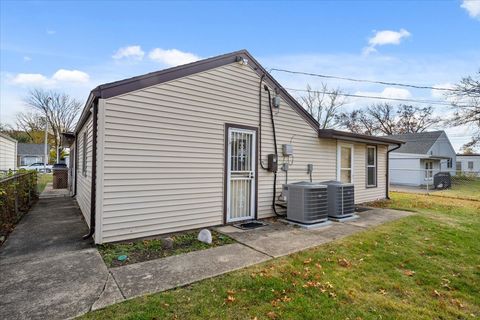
47,271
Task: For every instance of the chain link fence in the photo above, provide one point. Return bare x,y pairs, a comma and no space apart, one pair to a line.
446,182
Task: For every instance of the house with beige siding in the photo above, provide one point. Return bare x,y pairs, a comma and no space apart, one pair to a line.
191,147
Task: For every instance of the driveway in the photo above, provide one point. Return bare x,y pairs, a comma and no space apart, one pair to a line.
47,271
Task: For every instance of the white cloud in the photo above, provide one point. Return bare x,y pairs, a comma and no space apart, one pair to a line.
130,52
30,79
472,7
50,31
440,94
385,37
27,58
388,92
172,57
60,77
63,75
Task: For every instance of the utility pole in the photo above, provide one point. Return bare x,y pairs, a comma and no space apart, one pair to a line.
46,147
45,162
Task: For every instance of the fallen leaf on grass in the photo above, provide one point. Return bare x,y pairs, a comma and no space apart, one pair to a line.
307,261
457,303
344,263
409,273
230,299
435,293
382,291
272,315
231,292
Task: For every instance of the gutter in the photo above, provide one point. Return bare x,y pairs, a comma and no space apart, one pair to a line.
93,188
387,185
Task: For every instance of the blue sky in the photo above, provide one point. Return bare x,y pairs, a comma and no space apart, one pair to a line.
74,46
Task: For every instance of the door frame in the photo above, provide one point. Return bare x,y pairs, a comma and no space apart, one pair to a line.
227,126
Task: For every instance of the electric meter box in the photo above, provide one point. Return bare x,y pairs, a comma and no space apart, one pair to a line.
287,150
272,162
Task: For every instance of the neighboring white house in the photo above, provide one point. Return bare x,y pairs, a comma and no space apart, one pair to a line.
422,156
30,153
468,164
8,153
187,147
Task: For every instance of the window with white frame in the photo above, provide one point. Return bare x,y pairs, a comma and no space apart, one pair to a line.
345,163
470,165
428,170
371,166
459,166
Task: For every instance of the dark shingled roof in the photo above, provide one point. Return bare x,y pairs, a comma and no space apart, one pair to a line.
31,149
418,143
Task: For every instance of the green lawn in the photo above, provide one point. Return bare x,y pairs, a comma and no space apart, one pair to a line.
425,266
43,180
466,189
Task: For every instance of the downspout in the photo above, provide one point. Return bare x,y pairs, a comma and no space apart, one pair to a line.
93,187
388,170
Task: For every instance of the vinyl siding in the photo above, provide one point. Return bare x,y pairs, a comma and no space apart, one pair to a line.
362,192
163,153
8,153
84,182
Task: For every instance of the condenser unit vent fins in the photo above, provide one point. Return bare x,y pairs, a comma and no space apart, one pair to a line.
341,199
307,202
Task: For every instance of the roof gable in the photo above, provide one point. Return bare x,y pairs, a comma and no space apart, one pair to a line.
31,149
418,143
116,88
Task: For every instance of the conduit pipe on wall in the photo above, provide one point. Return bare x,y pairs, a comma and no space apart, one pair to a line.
276,152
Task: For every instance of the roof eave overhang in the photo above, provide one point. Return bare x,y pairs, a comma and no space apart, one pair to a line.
354,137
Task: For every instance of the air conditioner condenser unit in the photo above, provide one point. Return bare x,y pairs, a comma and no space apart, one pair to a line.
307,202
341,199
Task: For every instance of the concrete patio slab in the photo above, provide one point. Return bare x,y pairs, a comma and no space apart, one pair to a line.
163,274
111,294
58,287
277,239
375,217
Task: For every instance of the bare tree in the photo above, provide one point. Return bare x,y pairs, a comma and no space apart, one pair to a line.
59,109
383,117
32,124
358,121
323,105
466,105
388,119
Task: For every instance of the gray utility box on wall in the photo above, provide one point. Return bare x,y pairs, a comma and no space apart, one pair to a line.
307,202
341,199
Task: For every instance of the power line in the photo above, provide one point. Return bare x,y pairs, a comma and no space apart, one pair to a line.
372,81
432,102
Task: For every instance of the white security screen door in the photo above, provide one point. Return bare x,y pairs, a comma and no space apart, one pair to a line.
241,174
